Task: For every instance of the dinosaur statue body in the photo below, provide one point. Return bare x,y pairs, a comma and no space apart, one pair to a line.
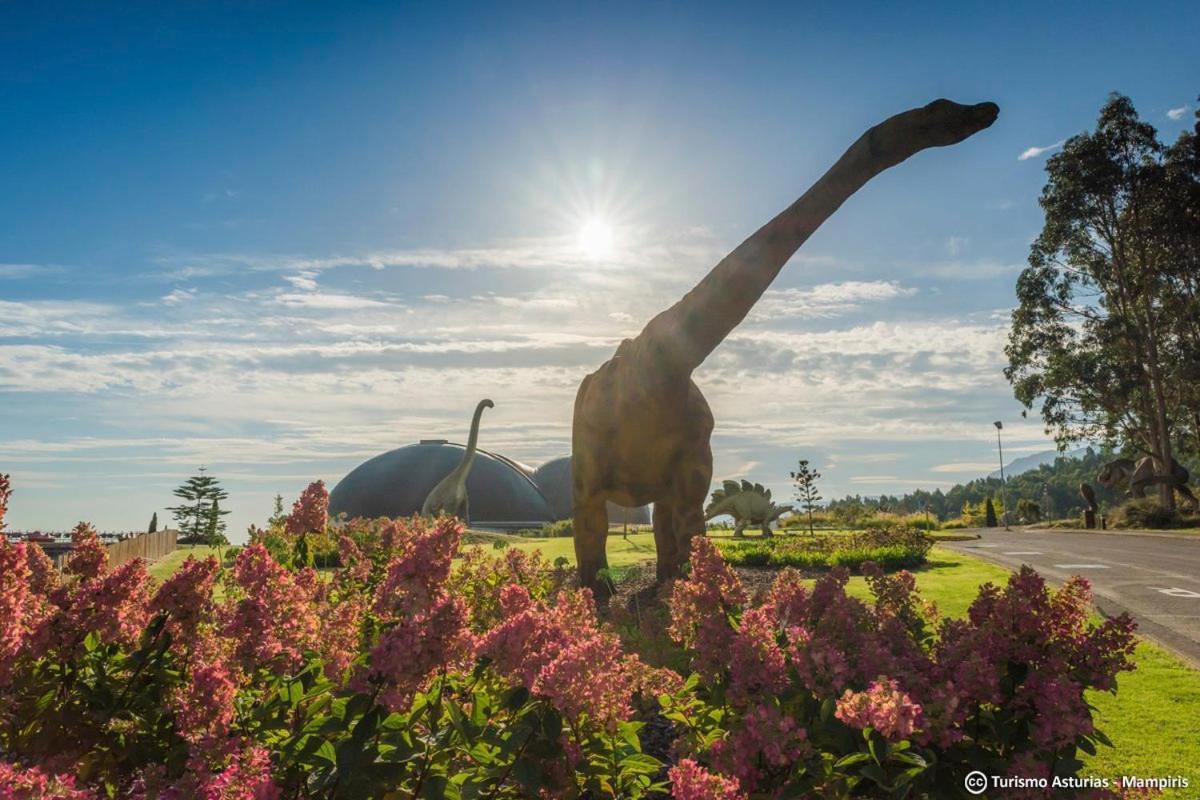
748,504
641,427
1140,475
450,494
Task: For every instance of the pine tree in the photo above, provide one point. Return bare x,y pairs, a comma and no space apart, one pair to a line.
990,515
199,519
278,517
153,523
805,479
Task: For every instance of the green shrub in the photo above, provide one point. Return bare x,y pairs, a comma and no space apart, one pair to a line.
1144,512
891,549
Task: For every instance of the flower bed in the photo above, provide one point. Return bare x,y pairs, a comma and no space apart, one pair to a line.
410,675
890,549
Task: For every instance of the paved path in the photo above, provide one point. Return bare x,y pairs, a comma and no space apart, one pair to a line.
1155,578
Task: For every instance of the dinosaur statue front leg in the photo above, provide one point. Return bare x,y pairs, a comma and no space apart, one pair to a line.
591,535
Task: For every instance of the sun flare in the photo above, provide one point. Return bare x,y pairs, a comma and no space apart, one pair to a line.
596,239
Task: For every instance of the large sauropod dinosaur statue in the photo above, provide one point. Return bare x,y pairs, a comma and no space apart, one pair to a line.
641,428
450,495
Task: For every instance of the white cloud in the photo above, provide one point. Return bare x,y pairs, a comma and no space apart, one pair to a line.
965,467
957,244
1031,152
1177,113
826,299
305,281
177,296
970,270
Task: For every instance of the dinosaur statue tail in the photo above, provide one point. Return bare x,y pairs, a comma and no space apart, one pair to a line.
473,440
684,335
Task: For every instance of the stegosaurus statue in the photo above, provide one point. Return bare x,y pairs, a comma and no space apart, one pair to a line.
748,504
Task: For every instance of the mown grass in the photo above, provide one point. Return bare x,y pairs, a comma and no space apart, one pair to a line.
162,569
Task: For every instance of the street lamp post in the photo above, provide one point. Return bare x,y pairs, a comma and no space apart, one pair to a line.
1003,483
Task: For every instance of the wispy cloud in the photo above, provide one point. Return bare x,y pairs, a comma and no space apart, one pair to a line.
18,271
1177,113
826,299
1033,152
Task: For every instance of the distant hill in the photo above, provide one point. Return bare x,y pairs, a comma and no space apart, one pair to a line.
1026,463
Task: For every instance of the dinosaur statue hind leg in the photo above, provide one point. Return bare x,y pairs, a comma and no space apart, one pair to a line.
688,491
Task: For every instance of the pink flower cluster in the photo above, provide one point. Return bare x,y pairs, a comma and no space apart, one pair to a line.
310,513
884,707
17,783
561,653
186,597
690,781
275,622
884,664
423,629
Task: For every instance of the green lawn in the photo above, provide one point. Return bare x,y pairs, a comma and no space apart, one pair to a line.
162,568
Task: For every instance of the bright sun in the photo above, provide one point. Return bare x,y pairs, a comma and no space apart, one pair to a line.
596,239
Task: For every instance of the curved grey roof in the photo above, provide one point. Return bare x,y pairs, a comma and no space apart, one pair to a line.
554,479
395,484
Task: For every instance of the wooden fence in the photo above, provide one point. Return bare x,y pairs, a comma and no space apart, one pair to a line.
150,546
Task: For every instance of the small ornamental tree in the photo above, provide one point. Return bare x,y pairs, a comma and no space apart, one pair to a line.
5,493
277,516
153,523
199,517
990,514
805,479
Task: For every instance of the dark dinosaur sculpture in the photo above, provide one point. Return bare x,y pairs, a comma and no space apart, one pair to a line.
641,427
1142,474
450,494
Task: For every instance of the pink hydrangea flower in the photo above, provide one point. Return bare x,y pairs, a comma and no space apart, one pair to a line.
32,783
187,598
14,603
414,647
700,606
690,781
275,623
558,651
89,558
415,578
310,513
883,707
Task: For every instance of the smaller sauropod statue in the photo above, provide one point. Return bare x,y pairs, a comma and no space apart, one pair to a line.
450,495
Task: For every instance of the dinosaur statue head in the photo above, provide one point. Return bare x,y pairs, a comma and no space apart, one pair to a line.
938,124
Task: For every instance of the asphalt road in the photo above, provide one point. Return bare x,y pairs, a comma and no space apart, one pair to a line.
1156,578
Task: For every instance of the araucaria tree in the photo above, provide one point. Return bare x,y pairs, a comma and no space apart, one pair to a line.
1106,336
805,479
199,517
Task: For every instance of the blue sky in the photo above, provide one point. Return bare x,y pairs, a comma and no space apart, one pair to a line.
278,239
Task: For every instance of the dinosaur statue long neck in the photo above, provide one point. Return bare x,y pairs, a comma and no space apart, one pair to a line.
684,335
464,467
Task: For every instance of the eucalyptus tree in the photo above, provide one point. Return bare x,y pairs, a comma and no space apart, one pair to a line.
1098,336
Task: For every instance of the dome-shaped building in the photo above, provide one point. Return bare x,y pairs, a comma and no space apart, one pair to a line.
395,484
554,479
504,494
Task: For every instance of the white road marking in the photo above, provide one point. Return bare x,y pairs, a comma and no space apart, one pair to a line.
1175,591
1024,553
1082,566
